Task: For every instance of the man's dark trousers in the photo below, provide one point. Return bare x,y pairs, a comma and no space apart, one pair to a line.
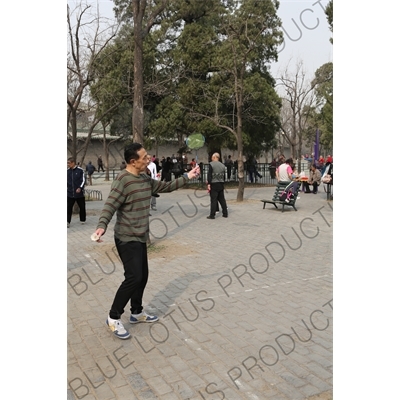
82,208
314,185
133,255
217,196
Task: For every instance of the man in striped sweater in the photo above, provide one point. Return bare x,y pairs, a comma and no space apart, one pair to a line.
130,197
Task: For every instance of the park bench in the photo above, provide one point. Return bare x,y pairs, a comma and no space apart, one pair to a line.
275,199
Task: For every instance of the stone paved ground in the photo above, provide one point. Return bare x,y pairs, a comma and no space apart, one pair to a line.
245,303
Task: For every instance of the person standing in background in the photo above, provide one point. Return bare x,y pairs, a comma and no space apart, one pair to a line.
229,165
215,181
100,164
90,170
75,190
153,174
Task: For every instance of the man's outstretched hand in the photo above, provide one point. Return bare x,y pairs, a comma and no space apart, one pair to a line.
194,173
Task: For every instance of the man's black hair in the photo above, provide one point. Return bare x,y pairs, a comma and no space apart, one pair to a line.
131,152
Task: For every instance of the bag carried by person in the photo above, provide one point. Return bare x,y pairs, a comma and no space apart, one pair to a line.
326,178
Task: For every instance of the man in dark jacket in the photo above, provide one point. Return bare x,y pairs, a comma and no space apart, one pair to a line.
215,181
229,165
100,164
75,190
90,168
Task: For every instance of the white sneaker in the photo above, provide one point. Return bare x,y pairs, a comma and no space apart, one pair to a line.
117,328
142,317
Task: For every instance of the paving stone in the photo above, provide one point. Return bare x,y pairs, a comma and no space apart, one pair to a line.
170,374
318,370
322,386
70,395
125,392
183,389
289,391
159,385
192,379
323,361
197,344
309,390
147,395
104,392
170,396
295,368
292,379
136,381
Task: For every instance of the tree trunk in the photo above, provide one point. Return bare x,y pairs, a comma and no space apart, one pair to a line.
181,142
106,155
240,193
293,151
239,137
74,133
299,155
138,114
240,172
85,147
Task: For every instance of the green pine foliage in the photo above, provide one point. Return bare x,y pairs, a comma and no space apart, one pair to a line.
200,60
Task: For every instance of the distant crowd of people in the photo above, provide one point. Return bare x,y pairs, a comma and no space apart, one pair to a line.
169,168
320,170
174,166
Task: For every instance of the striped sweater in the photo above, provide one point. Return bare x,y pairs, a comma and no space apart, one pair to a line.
130,197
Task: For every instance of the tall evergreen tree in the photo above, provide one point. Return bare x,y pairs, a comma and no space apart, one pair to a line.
244,95
206,70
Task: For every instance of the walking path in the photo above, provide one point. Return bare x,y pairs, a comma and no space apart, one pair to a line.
245,303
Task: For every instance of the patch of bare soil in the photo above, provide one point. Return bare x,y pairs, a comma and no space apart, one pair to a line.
322,396
169,249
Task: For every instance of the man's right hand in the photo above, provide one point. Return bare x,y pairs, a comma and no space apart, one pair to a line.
99,232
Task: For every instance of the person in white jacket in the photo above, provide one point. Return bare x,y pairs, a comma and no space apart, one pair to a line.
153,171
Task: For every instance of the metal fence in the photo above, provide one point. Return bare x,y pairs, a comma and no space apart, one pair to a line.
91,194
265,176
